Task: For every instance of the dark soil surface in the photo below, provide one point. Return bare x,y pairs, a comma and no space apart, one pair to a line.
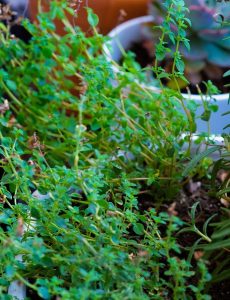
143,52
220,290
193,192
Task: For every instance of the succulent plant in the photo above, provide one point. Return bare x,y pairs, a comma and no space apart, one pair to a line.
208,35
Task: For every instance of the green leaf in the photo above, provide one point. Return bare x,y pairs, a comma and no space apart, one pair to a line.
186,229
43,292
10,271
222,233
198,158
206,224
35,213
206,115
226,113
227,126
11,84
227,73
180,65
138,228
213,107
6,192
223,191
218,245
193,210
92,17
192,249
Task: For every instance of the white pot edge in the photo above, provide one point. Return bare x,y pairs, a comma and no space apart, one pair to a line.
127,26
113,34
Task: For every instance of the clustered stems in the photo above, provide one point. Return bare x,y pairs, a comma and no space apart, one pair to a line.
88,156
175,17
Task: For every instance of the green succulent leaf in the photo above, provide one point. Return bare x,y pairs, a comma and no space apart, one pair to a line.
197,50
201,17
217,55
216,36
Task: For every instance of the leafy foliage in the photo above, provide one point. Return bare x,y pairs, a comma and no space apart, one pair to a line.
203,33
77,151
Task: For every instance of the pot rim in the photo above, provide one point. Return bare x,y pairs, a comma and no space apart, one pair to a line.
148,19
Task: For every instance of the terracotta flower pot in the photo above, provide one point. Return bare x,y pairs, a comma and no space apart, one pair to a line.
109,12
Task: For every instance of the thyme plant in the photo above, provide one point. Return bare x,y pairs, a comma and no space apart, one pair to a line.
77,153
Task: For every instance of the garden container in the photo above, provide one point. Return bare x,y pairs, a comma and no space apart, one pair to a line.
124,35
110,12
17,290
